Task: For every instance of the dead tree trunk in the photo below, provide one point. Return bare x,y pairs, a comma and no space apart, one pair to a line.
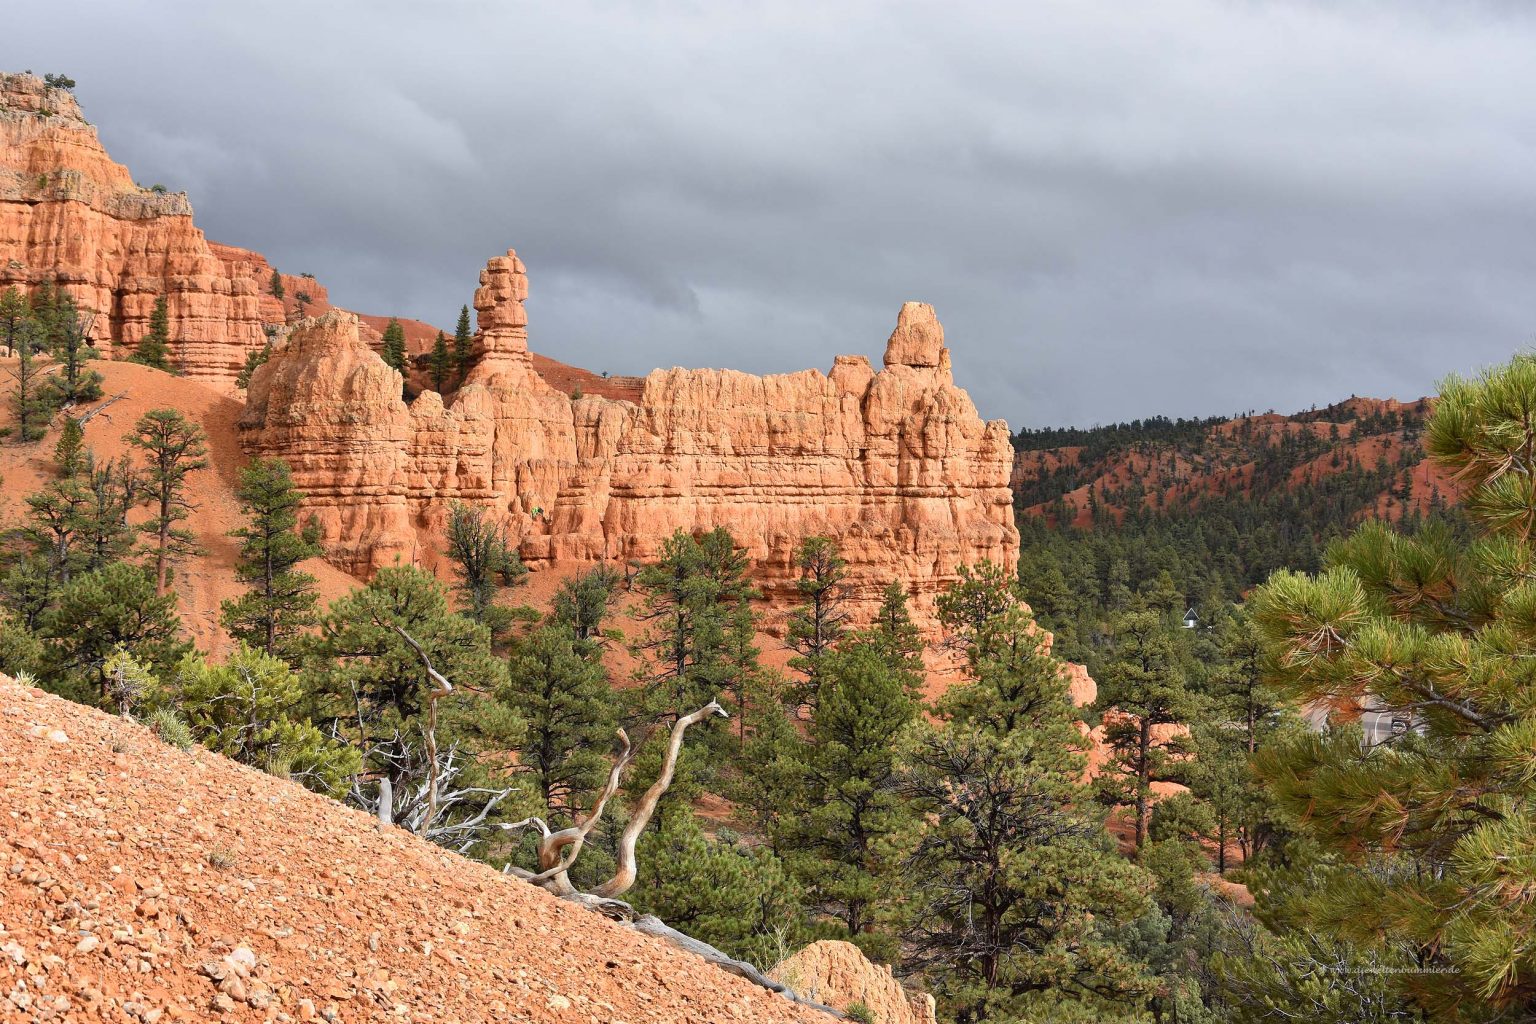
557,852
442,689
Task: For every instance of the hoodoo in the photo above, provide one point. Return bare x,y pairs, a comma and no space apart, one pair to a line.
895,464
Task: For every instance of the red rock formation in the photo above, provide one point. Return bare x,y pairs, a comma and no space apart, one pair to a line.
838,975
69,214
897,465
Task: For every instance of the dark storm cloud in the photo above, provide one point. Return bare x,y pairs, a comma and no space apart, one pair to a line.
1118,209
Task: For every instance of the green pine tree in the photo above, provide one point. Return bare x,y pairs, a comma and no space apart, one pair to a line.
733,896
99,613
253,359
75,382
394,345
818,623
1141,688
1431,820
275,285
484,563
1017,891
846,837
562,693
31,400
111,489
583,602
69,449
441,363
173,448
52,529
279,605
463,345
154,347
687,598
245,710
15,320
370,685
896,636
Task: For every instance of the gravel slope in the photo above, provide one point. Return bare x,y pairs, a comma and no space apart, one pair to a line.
139,882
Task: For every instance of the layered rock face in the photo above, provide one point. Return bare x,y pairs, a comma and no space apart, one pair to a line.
838,975
70,215
896,465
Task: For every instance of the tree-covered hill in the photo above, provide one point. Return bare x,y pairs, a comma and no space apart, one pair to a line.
1208,506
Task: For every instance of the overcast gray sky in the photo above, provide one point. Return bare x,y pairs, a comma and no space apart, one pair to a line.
1119,209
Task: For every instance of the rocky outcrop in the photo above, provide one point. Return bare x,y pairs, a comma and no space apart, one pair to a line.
838,975
896,465
70,215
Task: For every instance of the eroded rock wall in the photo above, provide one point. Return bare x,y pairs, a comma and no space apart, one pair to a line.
69,214
895,464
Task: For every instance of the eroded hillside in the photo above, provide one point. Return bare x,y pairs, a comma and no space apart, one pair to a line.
142,882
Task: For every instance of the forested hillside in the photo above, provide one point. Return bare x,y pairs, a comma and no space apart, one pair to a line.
1202,510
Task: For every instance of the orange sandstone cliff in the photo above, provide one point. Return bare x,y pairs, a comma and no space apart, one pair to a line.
895,464
71,216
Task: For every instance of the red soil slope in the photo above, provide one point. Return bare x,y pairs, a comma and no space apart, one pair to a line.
132,390
134,876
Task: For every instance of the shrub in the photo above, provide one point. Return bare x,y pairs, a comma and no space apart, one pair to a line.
860,1013
167,725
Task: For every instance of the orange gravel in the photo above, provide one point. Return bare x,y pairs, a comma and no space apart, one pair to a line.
139,882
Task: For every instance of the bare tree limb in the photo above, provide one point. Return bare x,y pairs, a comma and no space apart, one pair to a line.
429,734
624,877
87,417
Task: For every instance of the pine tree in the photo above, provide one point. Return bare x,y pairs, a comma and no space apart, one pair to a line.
765,782
173,448
845,836
562,693
31,399
1432,822
69,449
280,602
245,709
15,319
1142,687
818,623
1015,888
253,359
154,347
896,636
980,595
76,382
687,599
99,613
110,490
441,363
275,285
463,345
369,683
484,563
394,345
55,520
583,602
721,891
